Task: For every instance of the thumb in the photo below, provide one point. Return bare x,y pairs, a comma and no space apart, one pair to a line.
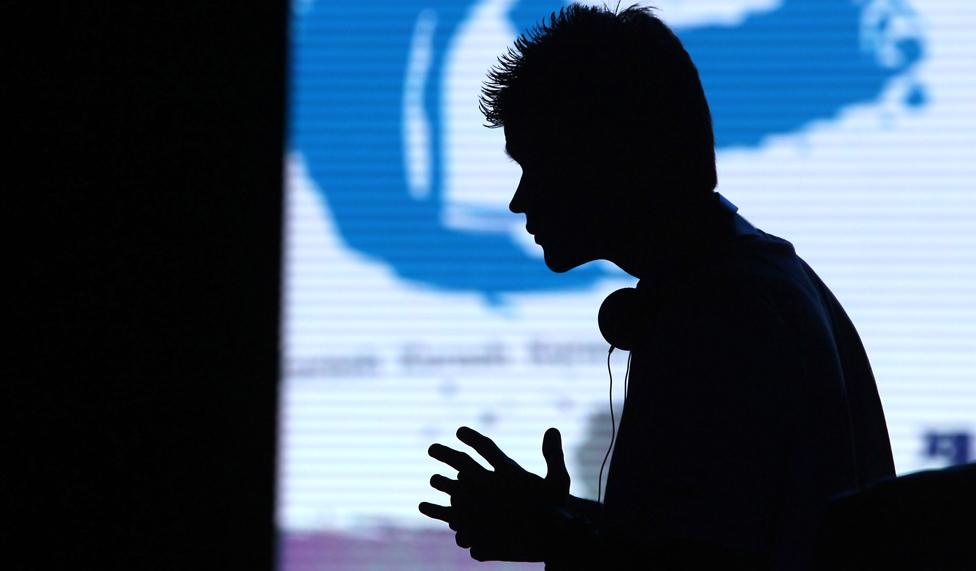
556,473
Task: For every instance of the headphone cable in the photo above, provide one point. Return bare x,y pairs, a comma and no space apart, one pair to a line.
613,422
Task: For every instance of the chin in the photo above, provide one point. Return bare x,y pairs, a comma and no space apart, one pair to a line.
561,264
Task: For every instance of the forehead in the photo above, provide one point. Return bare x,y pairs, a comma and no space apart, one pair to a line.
515,139
525,142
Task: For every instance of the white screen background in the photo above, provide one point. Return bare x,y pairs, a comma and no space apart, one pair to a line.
878,198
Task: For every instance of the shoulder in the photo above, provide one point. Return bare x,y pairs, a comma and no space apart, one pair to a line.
762,279
751,304
723,296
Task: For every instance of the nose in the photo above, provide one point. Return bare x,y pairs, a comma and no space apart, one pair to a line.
517,205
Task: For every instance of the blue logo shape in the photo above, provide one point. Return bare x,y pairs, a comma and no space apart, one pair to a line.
775,72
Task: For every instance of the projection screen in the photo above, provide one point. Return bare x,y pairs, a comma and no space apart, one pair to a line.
415,302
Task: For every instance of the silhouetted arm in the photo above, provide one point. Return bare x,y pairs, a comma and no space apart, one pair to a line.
579,544
588,509
582,545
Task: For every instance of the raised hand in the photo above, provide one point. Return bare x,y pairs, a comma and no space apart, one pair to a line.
507,514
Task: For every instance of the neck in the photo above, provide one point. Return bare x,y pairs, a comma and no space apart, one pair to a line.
675,239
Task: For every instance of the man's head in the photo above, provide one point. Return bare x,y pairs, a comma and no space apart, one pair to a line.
606,115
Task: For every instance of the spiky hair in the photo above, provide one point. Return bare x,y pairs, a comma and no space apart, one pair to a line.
620,77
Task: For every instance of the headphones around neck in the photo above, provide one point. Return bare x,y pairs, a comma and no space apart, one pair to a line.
623,314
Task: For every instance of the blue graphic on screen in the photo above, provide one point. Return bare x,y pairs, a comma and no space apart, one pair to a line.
349,68
952,447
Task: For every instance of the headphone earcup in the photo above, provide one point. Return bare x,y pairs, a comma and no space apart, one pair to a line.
620,318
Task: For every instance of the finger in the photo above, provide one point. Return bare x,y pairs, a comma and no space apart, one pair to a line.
487,545
457,460
482,554
435,511
486,447
552,449
461,495
444,484
462,539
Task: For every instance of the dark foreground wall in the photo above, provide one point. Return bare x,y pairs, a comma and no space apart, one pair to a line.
145,197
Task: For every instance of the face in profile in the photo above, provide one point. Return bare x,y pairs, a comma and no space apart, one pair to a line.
560,198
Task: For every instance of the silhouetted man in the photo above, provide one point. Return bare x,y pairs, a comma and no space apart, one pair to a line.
751,399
